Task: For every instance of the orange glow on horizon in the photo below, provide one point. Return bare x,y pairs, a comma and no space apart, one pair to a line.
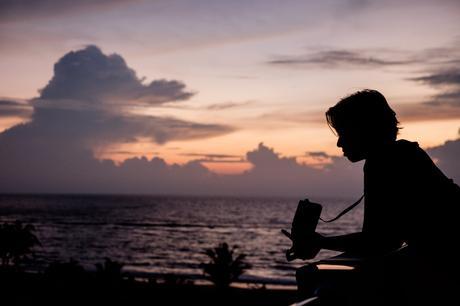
8,122
290,143
228,168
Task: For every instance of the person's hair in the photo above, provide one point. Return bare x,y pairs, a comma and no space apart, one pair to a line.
366,110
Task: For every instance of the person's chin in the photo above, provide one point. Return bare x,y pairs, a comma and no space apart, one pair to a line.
353,158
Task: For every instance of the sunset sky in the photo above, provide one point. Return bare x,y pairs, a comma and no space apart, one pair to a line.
210,80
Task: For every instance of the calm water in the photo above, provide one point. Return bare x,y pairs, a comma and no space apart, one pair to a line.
167,234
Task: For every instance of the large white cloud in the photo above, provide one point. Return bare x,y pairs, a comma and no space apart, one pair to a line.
88,102
91,76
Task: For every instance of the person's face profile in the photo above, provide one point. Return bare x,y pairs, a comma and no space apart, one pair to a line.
353,144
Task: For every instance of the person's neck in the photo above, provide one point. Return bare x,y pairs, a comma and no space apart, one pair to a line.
378,148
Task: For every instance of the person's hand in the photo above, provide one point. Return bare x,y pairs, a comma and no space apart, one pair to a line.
307,246
304,246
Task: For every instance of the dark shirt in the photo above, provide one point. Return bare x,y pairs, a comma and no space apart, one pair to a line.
408,199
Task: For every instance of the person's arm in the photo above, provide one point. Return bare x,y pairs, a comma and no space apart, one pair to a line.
343,243
308,246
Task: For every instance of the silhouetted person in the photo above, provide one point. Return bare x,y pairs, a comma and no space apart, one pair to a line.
407,200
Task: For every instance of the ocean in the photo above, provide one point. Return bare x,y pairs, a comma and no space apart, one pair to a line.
168,234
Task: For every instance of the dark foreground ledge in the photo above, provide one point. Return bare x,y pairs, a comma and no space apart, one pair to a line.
33,288
394,278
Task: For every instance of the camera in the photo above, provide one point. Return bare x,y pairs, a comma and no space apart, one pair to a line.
303,228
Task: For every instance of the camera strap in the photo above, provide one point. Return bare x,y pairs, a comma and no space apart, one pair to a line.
344,211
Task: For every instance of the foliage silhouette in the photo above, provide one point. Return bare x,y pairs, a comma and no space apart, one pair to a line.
69,273
224,268
16,242
109,272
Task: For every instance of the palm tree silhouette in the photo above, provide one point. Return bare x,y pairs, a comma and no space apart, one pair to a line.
223,268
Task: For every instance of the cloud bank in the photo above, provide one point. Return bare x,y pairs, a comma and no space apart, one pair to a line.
443,75
447,158
89,102
448,82
443,105
54,171
86,105
11,108
358,59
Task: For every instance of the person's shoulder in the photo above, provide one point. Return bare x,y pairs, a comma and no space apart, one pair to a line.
404,144
403,147
410,152
399,154
403,153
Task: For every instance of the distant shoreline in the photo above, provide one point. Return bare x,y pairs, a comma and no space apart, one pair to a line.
326,198
245,281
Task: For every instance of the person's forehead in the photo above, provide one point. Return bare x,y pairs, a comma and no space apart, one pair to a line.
347,128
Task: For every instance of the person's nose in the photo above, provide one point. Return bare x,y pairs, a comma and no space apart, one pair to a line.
339,142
